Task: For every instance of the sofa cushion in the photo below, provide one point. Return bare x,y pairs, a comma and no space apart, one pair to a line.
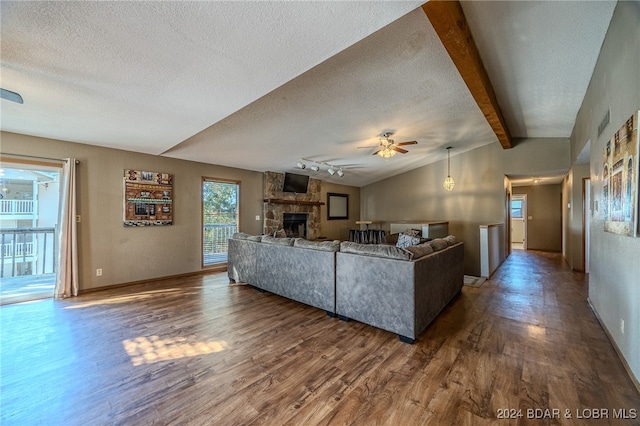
377,250
268,239
451,240
317,245
405,241
243,236
438,244
420,250
280,233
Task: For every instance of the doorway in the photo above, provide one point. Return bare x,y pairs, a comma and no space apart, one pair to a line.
519,222
220,217
29,201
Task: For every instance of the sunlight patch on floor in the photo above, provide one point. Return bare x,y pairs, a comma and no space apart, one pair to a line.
148,350
143,295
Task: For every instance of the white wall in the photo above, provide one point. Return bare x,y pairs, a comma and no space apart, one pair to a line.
614,286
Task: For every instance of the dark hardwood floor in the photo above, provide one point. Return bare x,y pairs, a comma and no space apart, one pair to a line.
197,351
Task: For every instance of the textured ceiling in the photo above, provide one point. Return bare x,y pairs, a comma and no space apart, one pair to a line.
258,85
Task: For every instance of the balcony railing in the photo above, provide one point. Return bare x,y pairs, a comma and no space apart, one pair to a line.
17,207
215,242
27,251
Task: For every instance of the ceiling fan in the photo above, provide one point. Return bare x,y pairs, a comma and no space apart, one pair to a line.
388,147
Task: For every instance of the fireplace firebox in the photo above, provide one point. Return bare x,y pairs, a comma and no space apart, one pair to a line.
295,224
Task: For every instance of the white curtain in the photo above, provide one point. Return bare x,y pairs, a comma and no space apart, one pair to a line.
67,261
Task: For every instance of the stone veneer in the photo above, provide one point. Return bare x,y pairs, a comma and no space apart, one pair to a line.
274,212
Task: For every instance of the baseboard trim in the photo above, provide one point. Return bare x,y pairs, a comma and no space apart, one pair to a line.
633,378
150,280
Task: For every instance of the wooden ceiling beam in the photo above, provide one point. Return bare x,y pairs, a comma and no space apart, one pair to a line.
451,26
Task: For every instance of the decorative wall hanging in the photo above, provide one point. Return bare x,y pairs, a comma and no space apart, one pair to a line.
148,198
620,180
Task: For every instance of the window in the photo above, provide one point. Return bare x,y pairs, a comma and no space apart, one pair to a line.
516,209
220,213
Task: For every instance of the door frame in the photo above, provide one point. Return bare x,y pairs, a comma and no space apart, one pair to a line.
586,231
522,197
217,266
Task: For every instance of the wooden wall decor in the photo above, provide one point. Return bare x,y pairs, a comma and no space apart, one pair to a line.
148,198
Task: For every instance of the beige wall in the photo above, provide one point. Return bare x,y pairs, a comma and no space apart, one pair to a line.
338,229
614,287
133,254
544,229
479,197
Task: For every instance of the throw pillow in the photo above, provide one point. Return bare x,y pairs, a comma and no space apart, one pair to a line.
412,232
280,233
405,241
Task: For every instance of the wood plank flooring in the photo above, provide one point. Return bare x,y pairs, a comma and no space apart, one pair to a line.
197,351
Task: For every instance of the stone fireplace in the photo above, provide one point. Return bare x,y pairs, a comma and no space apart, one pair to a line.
277,203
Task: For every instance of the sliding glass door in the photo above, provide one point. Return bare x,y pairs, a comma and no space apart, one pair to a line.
220,216
29,195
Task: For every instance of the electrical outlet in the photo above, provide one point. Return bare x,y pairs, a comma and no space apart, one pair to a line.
621,326
99,272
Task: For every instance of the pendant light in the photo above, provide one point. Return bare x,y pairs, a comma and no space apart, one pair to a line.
449,183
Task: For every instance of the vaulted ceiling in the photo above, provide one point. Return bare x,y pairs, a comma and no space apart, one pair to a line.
259,85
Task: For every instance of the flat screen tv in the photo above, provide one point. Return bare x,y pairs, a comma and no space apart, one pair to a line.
295,183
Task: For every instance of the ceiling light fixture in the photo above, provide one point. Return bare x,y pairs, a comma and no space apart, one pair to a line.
314,168
340,172
331,171
11,96
449,183
301,165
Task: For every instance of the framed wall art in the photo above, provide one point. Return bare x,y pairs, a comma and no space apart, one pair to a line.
620,180
337,206
148,198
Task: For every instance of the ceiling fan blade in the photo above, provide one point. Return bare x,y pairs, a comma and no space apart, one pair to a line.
407,143
368,147
400,150
377,151
10,96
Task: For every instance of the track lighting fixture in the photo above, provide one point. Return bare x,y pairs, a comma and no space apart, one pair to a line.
315,166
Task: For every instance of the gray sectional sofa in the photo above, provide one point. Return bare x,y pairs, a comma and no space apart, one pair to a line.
294,268
395,289
397,293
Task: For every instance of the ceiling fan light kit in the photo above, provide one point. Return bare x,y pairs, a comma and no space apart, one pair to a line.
315,166
388,147
449,183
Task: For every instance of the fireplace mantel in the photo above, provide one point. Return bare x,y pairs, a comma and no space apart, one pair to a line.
299,202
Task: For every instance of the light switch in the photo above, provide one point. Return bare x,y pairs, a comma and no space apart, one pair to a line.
257,217
529,217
